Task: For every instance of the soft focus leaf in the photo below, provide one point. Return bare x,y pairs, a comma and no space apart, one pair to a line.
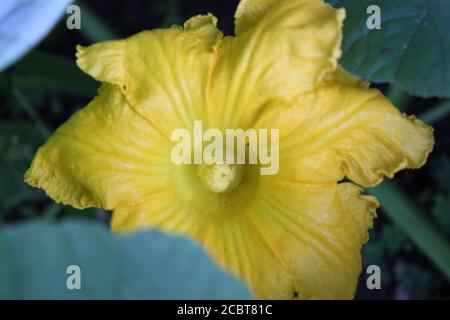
417,281
402,210
441,211
411,50
45,71
393,238
18,140
12,188
23,23
437,113
148,265
441,172
93,27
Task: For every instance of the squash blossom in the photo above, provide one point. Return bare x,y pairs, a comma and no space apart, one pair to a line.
295,234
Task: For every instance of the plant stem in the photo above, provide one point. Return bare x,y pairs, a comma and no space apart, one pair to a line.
435,114
399,97
405,213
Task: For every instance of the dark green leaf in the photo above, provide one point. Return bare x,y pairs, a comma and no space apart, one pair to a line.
412,49
44,71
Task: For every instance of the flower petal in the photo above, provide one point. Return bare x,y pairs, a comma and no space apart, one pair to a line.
340,75
346,129
314,234
162,209
286,52
250,12
205,26
163,72
105,155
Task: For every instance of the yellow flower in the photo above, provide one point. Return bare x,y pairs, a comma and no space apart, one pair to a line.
294,234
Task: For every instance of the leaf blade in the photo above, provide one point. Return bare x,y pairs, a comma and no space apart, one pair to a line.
145,265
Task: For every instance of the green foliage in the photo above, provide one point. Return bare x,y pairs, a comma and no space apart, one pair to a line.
411,50
441,211
416,281
17,144
41,71
149,265
410,218
437,113
93,27
441,199
441,172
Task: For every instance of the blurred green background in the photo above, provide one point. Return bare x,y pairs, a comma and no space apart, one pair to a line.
40,92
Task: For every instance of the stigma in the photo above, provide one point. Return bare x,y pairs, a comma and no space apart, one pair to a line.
220,178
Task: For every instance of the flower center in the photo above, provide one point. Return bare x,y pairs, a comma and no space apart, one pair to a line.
220,178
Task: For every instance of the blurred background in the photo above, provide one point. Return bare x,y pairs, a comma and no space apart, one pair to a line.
41,90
